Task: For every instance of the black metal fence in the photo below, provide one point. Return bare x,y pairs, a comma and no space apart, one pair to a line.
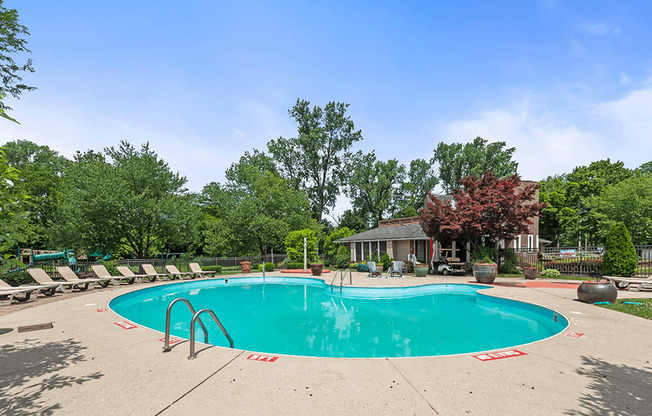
208,261
580,261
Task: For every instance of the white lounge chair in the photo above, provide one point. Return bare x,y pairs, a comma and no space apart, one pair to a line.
69,276
626,282
47,290
150,270
127,272
44,279
173,271
196,269
102,273
8,294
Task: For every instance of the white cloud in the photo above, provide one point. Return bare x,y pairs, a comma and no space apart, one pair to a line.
547,143
599,28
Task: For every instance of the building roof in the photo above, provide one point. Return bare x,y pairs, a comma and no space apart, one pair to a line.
388,232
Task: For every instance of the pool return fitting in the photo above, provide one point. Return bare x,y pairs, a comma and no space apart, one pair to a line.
195,318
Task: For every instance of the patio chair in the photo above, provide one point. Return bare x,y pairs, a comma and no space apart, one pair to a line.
47,290
8,294
373,270
44,279
173,271
396,269
127,272
102,273
626,282
196,268
69,276
150,270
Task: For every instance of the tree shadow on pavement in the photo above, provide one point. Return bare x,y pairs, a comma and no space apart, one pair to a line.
614,389
30,368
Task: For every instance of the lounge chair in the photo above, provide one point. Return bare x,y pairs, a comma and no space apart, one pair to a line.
102,273
44,279
9,292
47,290
396,269
150,270
626,282
174,272
196,269
127,272
69,276
373,271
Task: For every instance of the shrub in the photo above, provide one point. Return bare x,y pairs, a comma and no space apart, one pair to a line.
18,278
295,265
294,245
216,269
386,261
331,248
373,257
509,261
620,257
483,254
110,266
550,273
342,257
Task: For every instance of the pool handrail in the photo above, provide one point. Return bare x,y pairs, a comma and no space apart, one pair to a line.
193,355
166,345
342,274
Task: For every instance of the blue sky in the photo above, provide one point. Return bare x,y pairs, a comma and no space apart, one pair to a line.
566,83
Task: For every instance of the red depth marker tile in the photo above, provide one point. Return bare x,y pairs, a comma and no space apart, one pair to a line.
172,340
575,334
102,310
499,355
266,358
125,325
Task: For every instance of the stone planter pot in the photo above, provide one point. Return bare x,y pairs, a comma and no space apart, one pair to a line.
421,271
316,269
246,266
530,273
591,292
485,272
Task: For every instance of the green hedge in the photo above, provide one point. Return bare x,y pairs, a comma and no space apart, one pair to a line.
216,269
296,265
269,267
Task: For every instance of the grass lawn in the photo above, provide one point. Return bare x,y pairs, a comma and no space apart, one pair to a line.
644,310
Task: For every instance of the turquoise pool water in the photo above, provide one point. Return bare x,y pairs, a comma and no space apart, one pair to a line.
301,317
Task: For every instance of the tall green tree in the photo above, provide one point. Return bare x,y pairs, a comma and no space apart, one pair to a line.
12,44
314,161
457,161
421,179
374,186
628,202
41,171
125,201
12,215
253,211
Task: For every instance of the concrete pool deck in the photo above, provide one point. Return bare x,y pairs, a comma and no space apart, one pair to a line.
86,364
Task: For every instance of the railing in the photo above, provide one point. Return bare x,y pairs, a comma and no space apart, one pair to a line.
166,345
342,274
193,355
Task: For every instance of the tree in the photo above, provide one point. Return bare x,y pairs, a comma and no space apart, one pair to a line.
421,179
124,201
374,185
11,44
254,211
41,170
354,220
330,247
620,257
314,160
294,245
628,202
457,161
12,216
489,208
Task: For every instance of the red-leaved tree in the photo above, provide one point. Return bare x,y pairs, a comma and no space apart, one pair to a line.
490,207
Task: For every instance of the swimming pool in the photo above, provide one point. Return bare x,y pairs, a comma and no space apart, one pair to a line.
300,316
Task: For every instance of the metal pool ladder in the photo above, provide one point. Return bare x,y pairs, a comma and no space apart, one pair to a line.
195,318
342,274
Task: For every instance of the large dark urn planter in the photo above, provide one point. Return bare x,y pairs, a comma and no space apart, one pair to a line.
530,273
485,272
316,269
591,292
